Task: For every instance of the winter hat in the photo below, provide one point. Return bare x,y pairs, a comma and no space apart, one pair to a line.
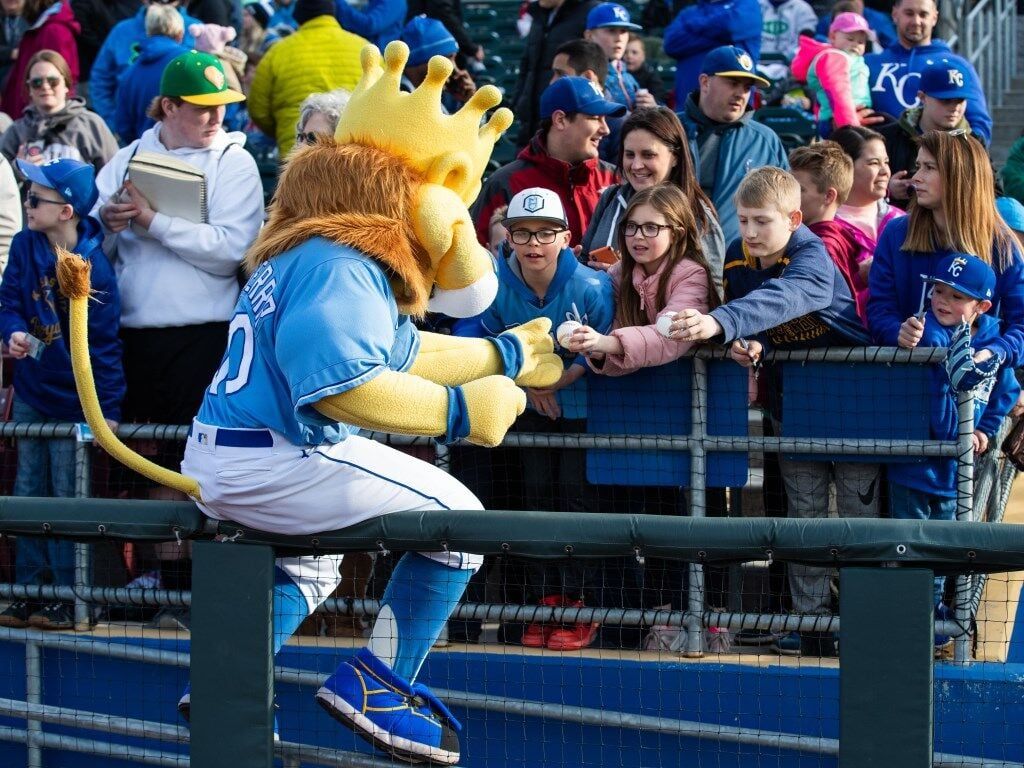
310,9
261,11
211,38
427,37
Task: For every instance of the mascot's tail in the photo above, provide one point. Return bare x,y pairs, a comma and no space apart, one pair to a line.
73,274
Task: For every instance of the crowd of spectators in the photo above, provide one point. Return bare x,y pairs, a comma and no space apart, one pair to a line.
654,215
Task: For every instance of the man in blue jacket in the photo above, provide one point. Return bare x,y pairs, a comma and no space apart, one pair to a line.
896,71
118,52
705,25
724,142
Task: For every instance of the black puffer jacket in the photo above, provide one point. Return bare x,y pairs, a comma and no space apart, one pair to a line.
550,28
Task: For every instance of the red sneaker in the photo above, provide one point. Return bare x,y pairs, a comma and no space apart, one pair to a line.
538,632
580,635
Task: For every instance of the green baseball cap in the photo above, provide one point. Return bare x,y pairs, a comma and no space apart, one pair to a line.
198,78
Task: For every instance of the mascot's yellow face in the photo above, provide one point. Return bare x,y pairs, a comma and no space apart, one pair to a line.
449,153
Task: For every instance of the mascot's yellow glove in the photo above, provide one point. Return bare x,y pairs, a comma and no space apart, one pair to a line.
539,366
480,411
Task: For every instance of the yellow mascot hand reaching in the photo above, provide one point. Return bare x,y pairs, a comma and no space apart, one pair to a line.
540,367
493,404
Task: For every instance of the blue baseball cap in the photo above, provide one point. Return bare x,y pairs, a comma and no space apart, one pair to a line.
950,78
967,274
610,15
730,61
1012,212
427,37
577,94
73,180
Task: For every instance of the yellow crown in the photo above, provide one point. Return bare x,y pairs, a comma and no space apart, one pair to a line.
451,150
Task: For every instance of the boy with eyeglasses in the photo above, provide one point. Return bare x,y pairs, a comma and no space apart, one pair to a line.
541,277
33,319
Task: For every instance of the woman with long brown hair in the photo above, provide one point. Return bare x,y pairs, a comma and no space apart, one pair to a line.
654,150
953,211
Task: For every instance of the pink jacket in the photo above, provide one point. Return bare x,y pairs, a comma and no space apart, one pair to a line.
642,345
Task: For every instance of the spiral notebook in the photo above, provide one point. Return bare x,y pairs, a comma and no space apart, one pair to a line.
172,187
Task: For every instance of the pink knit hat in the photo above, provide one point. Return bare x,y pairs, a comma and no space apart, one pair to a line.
211,38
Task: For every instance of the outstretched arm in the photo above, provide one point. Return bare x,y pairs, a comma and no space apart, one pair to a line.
523,354
401,403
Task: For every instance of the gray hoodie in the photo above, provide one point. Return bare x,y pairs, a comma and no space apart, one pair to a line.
73,132
603,225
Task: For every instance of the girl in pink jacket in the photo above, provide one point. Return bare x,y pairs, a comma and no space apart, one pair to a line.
663,271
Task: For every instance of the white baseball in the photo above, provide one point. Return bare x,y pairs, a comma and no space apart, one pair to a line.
565,332
663,323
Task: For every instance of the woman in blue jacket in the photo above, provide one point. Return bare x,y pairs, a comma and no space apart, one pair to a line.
953,210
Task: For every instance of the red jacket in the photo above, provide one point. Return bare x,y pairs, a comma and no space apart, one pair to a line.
579,186
843,249
55,30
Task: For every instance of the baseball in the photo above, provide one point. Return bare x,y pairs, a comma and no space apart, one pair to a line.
565,332
663,323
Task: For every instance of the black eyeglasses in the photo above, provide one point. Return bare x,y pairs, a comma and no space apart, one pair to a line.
544,236
35,83
647,229
34,200
306,137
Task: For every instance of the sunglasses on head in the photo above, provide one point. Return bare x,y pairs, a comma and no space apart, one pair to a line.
35,83
34,200
307,137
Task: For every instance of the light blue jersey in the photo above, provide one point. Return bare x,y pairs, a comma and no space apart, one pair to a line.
318,320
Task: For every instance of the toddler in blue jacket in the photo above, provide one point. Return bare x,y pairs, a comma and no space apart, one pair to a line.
962,290
34,325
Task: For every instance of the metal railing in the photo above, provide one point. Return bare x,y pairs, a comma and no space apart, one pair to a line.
986,35
993,485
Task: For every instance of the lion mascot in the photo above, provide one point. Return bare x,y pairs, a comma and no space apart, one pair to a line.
366,232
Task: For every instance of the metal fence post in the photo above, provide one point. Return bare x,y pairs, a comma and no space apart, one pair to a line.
698,502
33,695
964,511
83,552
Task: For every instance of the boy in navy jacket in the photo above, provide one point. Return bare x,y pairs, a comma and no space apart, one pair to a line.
962,289
783,290
34,325
542,278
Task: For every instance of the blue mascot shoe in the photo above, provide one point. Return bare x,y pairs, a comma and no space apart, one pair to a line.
406,721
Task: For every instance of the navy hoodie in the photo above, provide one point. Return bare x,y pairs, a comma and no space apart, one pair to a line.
937,476
30,301
799,302
895,74
897,291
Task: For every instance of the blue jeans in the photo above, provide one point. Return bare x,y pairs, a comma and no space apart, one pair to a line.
909,504
45,468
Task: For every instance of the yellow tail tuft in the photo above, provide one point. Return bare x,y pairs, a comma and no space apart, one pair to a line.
73,274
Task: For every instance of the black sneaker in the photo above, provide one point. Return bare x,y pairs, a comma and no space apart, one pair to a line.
16,615
53,616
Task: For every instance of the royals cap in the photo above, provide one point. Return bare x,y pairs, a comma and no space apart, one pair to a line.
197,78
610,15
730,61
537,204
965,273
73,180
950,78
577,94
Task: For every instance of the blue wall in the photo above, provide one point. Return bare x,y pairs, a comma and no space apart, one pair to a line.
978,711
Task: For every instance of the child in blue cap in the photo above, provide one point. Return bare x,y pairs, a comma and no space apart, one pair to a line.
962,290
33,324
